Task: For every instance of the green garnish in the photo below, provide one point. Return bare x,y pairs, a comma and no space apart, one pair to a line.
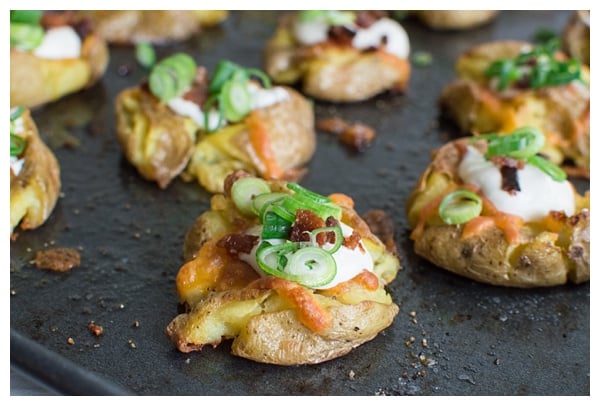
26,37
229,89
172,76
535,69
331,17
523,144
26,16
17,143
459,207
145,55
545,35
305,262
422,58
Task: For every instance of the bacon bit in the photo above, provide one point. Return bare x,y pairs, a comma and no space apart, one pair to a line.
57,259
352,241
357,135
342,200
198,92
366,279
310,311
96,329
510,180
238,243
55,19
306,220
340,35
261,143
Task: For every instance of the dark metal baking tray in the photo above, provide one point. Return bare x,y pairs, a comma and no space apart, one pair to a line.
452,336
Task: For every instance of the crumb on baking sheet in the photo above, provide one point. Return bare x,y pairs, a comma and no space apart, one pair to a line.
57,259
96,329
356,135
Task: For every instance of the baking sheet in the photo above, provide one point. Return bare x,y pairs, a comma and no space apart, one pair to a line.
452,336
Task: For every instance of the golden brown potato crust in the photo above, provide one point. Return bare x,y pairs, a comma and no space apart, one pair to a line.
455,19
547,253
154,26
330,71
35,81
228,300
576,36
34,192
561,112
163,145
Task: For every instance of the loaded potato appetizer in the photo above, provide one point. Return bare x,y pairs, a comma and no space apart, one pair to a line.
454,19
576,36
339,56
128,27
34,174
493,209
504,85
52,54
179,122
293,277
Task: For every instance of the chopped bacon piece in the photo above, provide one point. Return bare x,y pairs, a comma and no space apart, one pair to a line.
236,243
306,220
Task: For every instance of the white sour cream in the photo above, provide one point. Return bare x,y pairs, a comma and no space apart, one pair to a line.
59,43
539,192
397,42
260,98
349,262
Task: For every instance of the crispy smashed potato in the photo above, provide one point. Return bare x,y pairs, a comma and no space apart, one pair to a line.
35,190
455,19
163,145
561,112
330,70
545,253
154,26
36,81
576,36
273,320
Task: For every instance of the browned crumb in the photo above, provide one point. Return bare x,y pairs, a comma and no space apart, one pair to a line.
96,329
356,135
70,341
57,259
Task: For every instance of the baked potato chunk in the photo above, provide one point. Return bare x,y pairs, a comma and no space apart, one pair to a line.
496,247
334,68
128,27
476,105
37,80
455,19
272,319
576,36
34,190
163,144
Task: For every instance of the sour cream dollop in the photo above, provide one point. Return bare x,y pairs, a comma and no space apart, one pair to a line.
59,43
396,38
539,192
349,262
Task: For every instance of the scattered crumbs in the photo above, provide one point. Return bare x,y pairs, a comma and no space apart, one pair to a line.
28,249
127,206
57,259
97,345
466,378
75,211
497,361
53,329
136,235
80,248
188,360
424,342
136,324
96,329
121,306
412,314
351,374
131,344
70,341
13,292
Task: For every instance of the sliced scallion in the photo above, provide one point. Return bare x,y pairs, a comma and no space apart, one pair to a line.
26,16
548,168
172,76
275,226
235,100
17,145
460,206
262,202
244,190
522,143
145,55
339,237
312,267
26,36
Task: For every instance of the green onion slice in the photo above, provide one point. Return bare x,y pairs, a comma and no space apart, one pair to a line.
309,266
172,76
244,190
459,207
145,55
26,16
16,113
522,143
548,168
331,17
235,100
275,226
26,36
17,145
262,202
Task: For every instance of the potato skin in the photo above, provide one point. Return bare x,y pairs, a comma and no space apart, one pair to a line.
263,323
576,36
127,27
562,112
35,81
542,257
34,192
455,19
332,72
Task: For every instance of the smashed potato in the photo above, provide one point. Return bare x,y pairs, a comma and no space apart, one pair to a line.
272,141
34,179
455,19
476,105
154,26
36,80
272,319
340,65
497,247
576,36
